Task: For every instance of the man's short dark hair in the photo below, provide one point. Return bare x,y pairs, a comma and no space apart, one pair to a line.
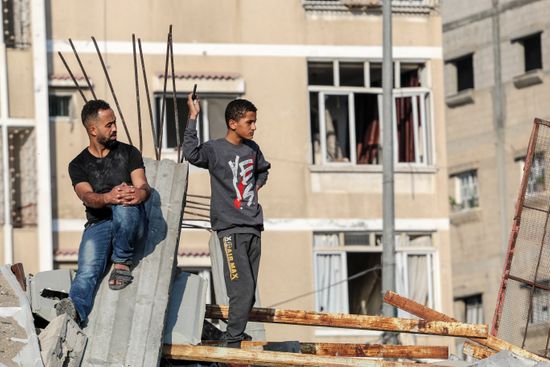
91,110
237,109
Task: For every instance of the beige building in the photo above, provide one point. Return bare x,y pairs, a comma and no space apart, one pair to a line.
496,74
313,69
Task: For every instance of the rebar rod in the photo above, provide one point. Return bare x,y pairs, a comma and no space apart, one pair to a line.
174,97
138,105
72,77
82,68
157,153
112,91
161,128
196,214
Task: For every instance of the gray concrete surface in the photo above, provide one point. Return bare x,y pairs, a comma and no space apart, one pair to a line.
62,343
126,327
55,280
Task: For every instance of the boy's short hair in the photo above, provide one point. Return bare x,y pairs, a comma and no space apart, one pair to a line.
91,110
237,109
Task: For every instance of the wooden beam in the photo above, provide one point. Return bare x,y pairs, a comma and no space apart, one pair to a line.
357,350
264,358
363,322
477,351
428,314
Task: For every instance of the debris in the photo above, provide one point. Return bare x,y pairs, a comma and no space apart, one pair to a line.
18,341
364,322
46,289
62,343
184,324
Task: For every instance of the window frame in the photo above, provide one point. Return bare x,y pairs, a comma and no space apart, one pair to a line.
426,111
537,36
402,253
458,205
61,93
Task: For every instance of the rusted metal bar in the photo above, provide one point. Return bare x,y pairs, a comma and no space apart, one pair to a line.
112,91
363,322
138,105
197,203
265,358
19,272
72,77
528,282
477,351
143,70
196,214
515,229
427,313
197,207
174,97
163,106
537,209
357,350
199,196
82,68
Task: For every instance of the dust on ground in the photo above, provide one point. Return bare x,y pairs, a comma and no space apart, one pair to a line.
9,348
9,327
8,298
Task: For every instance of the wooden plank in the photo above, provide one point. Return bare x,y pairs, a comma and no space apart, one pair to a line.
264,358
477,351
19,272
363,322
427,313
357,350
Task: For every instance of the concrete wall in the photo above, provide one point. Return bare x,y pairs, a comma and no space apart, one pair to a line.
476,240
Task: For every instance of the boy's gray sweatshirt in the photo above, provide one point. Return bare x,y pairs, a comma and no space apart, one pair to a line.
236,174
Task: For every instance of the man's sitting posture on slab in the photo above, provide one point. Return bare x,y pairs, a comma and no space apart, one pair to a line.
109,177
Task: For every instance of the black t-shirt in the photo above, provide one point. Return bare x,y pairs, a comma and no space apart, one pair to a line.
105,173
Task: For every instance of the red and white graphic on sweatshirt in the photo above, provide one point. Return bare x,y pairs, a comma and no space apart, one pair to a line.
242,173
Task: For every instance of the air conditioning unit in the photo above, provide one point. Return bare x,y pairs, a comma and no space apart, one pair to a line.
362,4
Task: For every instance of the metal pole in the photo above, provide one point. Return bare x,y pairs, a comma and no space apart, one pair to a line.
4,116
388,234
42,126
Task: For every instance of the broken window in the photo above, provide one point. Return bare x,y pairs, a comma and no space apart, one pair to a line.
59,105
464,72
348,275
537,178
466,194
532,52
470,309
345,118
22,173
211,123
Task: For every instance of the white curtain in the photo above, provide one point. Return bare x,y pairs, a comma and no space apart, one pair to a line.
418,278
330,269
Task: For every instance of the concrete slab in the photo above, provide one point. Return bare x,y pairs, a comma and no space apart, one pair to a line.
506,358
126,327
186,310
18,340
62,343
42,289
255,329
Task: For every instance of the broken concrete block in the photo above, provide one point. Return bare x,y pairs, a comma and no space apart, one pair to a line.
506,358
62,343
46,288
186,310
18,341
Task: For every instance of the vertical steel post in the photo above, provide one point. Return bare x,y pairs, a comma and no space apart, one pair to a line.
388,234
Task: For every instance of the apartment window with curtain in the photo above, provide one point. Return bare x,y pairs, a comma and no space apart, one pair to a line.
537,176
469,309
345,100
348,276
211,121
466,195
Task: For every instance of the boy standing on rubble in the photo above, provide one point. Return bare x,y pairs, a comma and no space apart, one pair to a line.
109,178
237,171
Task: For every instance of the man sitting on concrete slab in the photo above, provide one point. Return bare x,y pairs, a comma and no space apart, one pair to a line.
109,177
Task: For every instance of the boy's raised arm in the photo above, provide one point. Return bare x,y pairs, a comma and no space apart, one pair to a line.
192,151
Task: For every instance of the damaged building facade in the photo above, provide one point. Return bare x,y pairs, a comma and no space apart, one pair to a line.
496,73
313,69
